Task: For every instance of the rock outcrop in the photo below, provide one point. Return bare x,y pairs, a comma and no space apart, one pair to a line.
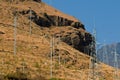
50,20
73,33
37,0
77,38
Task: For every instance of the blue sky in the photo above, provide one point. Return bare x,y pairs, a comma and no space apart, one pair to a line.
104,13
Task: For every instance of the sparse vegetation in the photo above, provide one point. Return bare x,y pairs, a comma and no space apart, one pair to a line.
32,61
0,39
56,79
8,63
2,77
37,65
17,76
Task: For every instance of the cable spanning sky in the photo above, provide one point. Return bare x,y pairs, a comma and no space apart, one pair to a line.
105,14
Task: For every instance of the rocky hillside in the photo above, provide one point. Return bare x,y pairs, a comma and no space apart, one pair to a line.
49,26
45,16
106,54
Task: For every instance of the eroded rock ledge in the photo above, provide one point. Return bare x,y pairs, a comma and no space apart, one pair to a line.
50,20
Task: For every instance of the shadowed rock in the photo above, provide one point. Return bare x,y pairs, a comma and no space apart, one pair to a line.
2,32
51,20
76,38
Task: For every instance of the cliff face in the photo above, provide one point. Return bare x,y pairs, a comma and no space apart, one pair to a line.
50,20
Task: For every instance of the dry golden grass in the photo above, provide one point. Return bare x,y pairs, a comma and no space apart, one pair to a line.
33,51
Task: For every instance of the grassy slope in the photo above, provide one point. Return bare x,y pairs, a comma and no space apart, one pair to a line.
33,51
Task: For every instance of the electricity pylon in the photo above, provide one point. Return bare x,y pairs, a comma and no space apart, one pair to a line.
52,52
15,30
105,54
51,55
94,52
59,50
93,58
30,14
116,77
